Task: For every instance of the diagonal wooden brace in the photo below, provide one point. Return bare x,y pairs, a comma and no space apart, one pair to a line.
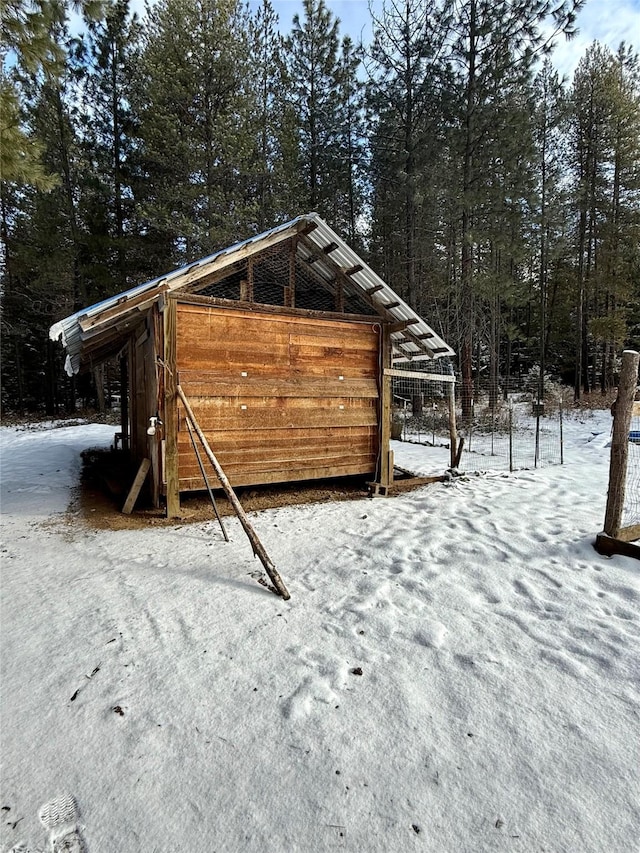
256,544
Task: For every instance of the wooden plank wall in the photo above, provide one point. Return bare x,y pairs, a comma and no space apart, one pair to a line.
280,398
143,385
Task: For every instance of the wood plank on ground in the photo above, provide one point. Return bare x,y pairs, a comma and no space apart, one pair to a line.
134,491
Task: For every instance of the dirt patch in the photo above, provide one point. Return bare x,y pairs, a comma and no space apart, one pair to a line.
107,475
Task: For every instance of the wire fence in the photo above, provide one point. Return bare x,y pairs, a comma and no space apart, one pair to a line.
503,431
631,510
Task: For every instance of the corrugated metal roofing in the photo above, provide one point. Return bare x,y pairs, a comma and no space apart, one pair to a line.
417,340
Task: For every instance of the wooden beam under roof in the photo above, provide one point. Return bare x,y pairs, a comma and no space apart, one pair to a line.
366,294
418,374
226,258
402,325
352,270
212,278
215,302
290,287
406,354
140,301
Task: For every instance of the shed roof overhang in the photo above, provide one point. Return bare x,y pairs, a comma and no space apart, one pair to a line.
99,332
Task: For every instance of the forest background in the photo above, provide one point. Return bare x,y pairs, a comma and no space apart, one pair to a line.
499,200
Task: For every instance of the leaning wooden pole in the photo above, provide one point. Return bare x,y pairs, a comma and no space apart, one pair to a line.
256,544
206,480
620,442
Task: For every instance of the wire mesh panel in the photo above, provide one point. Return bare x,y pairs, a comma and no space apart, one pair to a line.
420,408
503,432
631,510
513,435
287,275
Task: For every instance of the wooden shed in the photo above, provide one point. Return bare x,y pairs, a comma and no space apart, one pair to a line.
284,344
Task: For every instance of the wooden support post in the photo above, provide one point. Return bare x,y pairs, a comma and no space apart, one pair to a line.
290,288
134,491
620,442
256,544
386,463
171,410
250,279
124,402
339,298
453,430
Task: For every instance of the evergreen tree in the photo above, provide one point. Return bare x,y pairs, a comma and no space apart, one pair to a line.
409,119
313,83
551,214
194,106
605,148
107,129
274,124
45,271
493,45
350,160
28,36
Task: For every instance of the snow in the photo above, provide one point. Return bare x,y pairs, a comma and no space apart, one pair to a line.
185,707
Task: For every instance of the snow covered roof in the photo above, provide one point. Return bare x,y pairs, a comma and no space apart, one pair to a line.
98,332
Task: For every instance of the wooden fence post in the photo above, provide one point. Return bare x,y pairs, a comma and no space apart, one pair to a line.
453,431
386,402
620,442
171,409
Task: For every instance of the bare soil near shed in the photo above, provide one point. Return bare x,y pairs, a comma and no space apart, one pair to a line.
106,477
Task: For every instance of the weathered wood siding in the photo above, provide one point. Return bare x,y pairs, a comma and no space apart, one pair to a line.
143,384
280,398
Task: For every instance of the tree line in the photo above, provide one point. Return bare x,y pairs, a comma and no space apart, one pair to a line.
499,200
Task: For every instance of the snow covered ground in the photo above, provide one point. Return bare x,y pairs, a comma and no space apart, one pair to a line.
186,708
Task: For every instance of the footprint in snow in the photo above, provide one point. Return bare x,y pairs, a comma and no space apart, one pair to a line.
60,817
432,637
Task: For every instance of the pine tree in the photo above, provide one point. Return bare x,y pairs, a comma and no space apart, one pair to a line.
107,124
350,159
194,104
409,126
550,214
274,124
45,251
605,145
27,34
493,44
313,83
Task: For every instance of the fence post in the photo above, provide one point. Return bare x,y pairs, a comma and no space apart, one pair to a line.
453,431
493,430
561,436
622,410
510,438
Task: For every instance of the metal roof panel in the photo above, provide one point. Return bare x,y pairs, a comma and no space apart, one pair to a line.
70,332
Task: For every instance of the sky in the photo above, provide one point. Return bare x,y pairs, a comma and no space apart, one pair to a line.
607,21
